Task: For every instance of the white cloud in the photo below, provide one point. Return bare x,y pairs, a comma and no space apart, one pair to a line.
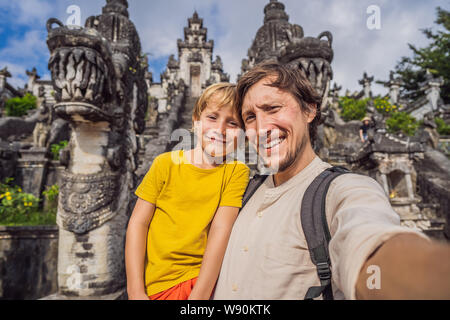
233,24
17,71
30,46
21,53
27,11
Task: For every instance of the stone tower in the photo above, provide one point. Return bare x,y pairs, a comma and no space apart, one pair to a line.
194,68
195,52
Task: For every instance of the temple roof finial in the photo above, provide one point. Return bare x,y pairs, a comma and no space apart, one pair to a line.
116,6
274,10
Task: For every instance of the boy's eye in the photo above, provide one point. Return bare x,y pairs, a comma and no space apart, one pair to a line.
233,123
211,117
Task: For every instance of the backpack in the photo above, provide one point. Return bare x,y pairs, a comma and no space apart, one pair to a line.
314,225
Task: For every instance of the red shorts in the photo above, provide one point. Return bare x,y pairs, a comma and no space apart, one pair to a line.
180,291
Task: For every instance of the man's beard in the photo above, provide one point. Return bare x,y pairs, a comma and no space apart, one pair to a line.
292,157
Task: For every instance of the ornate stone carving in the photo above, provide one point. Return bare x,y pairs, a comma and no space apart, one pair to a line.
282,41
87,201
100,83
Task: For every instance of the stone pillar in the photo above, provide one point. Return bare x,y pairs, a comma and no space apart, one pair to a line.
409,185
2,82
385,183
394,91
394,85
32,77
366,82
4,74
433,92
31,170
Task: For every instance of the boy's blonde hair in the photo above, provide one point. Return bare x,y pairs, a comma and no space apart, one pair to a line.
224,94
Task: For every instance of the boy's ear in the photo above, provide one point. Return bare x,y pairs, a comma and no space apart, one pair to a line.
194,120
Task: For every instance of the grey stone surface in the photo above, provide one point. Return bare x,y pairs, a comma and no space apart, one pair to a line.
31,170
28,257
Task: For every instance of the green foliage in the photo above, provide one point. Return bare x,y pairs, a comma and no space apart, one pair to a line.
384,107
442,127
19,106
51,197
402,122
352,109
56,147
435,57
20,208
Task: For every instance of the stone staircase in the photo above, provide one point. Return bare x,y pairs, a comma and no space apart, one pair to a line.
186,120
186,115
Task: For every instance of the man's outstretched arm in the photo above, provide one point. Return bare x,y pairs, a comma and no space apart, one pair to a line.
411,267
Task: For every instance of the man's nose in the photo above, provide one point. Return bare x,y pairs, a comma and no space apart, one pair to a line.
263,124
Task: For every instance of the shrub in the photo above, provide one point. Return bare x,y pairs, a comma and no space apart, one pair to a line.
402,122
352,109
51,196
20,208
442,127
56,147
19,106
384,107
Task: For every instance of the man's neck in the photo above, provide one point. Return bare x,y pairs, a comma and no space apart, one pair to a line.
306,157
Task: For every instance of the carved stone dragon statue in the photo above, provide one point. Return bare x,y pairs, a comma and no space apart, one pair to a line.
98,77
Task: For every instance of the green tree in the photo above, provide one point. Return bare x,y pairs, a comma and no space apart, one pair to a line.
57,147
384,107
352,109
435,57
19,106
442,127
402,122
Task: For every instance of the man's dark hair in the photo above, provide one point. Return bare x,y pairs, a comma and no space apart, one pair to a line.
289,79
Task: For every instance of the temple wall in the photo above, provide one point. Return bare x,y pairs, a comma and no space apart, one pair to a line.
28,258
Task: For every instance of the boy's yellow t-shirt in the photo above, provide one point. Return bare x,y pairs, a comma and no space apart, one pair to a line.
186,199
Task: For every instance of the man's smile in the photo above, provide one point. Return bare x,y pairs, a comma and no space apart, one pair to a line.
272,142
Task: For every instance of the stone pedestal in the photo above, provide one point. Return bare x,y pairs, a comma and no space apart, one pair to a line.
114,296
31,170
28,256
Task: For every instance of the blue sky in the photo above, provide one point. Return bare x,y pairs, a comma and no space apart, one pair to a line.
232,24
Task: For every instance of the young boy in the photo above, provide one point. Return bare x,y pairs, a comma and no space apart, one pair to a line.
187,204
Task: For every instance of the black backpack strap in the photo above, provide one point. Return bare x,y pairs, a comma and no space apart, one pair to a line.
252,186
315,227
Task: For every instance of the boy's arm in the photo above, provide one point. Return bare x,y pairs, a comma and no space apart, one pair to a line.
135,247
218,236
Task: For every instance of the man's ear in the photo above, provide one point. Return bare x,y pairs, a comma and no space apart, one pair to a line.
312,112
